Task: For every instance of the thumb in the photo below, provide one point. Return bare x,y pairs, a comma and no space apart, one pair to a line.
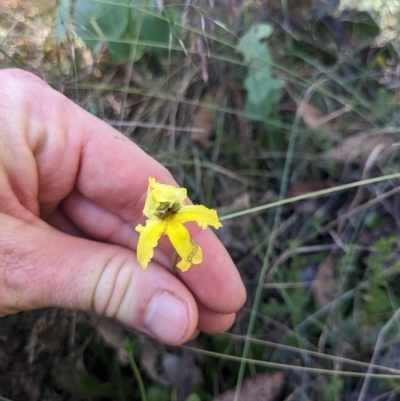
41,267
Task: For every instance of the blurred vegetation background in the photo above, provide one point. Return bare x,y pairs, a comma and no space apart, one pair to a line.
249,104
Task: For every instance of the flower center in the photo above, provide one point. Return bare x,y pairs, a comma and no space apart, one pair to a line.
166,209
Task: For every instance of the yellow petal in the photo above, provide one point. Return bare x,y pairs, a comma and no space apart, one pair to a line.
148,240
168,194
186,248
151,205
200,214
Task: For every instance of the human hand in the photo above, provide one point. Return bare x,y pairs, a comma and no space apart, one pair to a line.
72,191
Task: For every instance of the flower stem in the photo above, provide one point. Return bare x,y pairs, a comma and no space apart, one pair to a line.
174,260
129,350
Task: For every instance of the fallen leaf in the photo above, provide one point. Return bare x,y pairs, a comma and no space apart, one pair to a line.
302,188
357,148
316,119
243,127
113,335
263,387
311,205
242,201
311,115
202,126
150,360
115,104
323,287
168,369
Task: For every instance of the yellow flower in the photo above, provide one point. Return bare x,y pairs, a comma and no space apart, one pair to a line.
166,212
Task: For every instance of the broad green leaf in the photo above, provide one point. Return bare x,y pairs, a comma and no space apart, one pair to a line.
63,18
263,89
257,33
259,82
97,22
101,21
120,51
153,29
121,27
251,44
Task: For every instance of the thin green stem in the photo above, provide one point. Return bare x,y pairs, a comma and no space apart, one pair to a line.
310,195
174,260
138,377
277,365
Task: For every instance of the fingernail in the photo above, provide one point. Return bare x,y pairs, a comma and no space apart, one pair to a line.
167,318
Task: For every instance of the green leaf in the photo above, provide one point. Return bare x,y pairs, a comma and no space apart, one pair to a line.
91,386
153,28
263,89
333,388
251,43
101,21
121,52
63,13
158,393
193,397
97,22
121,27
262,92
275,309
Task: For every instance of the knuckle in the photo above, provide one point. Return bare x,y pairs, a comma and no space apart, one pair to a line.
112,286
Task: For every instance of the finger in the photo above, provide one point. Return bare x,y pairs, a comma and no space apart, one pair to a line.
195,334
60,221
42,267
97,221
211,322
